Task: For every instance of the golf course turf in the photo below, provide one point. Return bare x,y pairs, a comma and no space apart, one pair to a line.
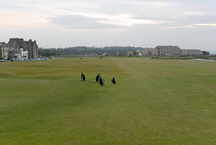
155,102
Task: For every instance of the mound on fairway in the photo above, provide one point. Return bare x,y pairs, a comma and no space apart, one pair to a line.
155,102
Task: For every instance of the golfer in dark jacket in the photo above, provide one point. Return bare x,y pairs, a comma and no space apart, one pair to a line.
97,77
101,81
114,80
83,78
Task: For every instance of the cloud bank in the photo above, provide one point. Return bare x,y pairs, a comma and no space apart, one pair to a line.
145,20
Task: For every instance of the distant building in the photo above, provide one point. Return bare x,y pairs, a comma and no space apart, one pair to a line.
3,50
135,53
139,53
19,49
149,52
168,51
131,53
21,55
191,52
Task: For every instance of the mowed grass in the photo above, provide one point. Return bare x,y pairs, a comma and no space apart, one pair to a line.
156,102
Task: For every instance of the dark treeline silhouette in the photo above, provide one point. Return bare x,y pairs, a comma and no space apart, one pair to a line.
88,51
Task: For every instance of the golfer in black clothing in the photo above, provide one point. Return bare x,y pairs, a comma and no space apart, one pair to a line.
97,77
114,80
83,78
101,81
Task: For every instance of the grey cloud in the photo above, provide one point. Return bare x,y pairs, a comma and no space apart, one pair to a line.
200,19
192,20
80,22
171,11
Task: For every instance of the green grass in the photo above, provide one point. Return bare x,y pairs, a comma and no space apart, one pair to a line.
156,102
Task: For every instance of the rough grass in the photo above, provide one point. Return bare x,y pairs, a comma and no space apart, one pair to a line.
156,102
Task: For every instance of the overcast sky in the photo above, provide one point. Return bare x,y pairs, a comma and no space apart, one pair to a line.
147,23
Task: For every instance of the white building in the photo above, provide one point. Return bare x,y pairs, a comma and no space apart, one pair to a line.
139,53
149,52
191,52
171,51
168,51
21,55
3,50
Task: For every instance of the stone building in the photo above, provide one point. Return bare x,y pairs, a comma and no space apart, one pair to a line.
3,50
191,52
135,53
172,51
131,53
168,51
149,52
19,48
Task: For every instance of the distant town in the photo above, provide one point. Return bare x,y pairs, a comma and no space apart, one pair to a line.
18,49
159,51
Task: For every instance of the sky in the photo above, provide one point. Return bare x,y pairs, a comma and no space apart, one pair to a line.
190,24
